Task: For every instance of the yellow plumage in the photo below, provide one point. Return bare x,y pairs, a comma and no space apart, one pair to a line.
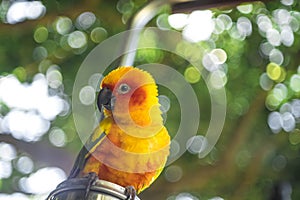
135,147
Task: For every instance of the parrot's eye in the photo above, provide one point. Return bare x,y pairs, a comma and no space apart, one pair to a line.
123,88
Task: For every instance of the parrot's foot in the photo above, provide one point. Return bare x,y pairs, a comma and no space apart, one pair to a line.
92,177
130,192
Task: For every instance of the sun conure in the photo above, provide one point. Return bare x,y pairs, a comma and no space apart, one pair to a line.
131,145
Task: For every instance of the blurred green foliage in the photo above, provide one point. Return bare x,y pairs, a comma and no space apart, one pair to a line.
249,160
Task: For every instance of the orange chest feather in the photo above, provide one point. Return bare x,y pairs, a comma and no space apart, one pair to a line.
127,160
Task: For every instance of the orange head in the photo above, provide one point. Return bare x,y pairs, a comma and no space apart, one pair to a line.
130,94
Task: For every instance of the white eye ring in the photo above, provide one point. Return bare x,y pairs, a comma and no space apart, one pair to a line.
123,88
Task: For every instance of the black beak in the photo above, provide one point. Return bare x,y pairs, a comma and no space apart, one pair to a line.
104,99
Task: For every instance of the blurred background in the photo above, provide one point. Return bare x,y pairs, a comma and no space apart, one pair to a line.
253,47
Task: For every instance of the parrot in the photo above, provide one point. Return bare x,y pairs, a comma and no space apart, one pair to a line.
130,146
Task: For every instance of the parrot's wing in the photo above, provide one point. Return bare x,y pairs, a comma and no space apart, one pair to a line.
91,144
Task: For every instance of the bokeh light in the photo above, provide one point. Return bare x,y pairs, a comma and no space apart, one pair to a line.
245,8
219,26
25,165
192,75
30,116
281,16
226,20
173,173
95,81
287,2
85,20
39,53
196,144
40,34
218,79
7,152
209,61
244,26
54,77
288,122
178,21
22,10
285,119
14,196
185,196
26,126
199,30
63,25
44,65
216,198
174,148
266,48
294,137
220,55
295,83
273,37
279,163
272,102
276,96
5,169
275,121
87,95
237,33
77,39
98,34
265,82
276,56
294,23
286,107
36,183
164,102
264,23
57,137
125,6
162,22
287,36
280,91
296,108
275,72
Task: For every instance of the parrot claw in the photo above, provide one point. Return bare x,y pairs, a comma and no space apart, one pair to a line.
130,192
92,177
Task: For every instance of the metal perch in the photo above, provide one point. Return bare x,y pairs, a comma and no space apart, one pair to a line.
77,188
